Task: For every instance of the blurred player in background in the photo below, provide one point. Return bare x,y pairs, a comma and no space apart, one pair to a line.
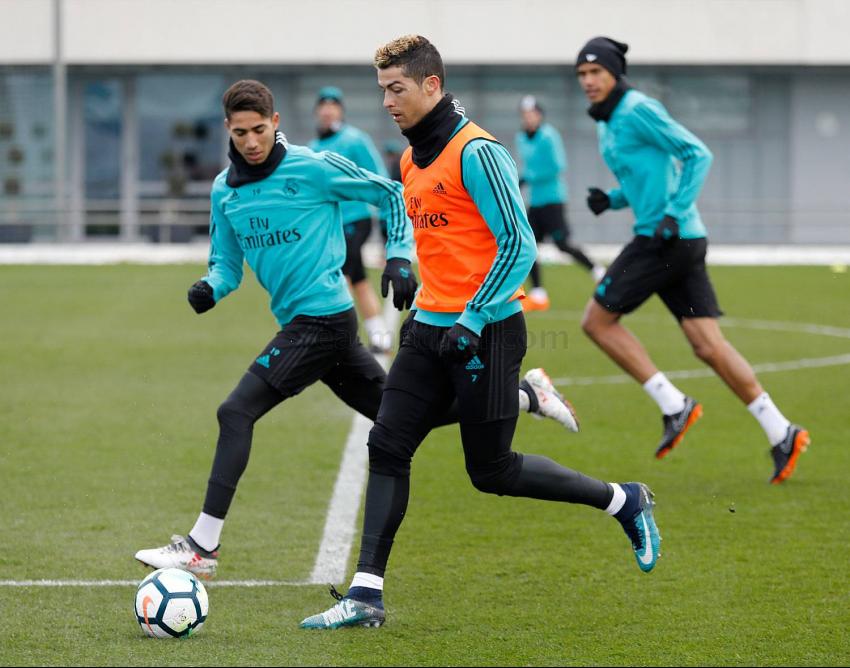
642,144
467,338
334,134
277,207
543,163
392,158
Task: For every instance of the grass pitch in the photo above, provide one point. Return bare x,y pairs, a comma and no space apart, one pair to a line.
107,428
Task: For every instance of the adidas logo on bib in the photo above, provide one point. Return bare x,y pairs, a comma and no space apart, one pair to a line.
439,189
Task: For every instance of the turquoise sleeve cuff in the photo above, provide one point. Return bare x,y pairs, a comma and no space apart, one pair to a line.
474,322
618,200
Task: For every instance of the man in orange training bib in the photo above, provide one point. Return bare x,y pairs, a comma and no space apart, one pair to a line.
466,339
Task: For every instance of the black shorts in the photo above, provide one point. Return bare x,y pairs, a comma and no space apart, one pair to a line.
486,388
676,272
549,221
356,234
326,348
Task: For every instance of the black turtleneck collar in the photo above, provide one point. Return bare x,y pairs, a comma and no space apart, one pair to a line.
531,133
430,135
601,111
327,133
242,172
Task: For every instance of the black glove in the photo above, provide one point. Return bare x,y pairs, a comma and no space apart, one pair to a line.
201,297
459,344
666,232
597,200
399,273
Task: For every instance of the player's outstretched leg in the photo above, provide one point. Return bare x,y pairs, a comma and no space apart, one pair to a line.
631,504
198,551
182,553
545,401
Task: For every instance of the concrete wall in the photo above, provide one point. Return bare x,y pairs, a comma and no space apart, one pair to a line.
801,32
26,32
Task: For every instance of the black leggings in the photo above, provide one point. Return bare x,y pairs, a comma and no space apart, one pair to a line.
492,467
418,386
252,399
551,221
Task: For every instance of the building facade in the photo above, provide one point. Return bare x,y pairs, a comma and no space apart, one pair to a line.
111,122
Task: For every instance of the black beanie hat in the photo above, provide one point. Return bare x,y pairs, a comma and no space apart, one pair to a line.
607,52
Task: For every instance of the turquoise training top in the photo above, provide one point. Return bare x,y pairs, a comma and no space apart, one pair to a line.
358,147
661,165
544,161
288,228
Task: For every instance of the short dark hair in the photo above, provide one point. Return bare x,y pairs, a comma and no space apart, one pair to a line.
248,95
417,57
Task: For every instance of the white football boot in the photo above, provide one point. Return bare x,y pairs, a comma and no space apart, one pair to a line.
181,553
546,401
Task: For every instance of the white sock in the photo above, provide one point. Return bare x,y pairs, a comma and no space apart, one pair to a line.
377,331
524,401
617,501
375,325
774,423
538,293
207,531
668,397
598,272
368,580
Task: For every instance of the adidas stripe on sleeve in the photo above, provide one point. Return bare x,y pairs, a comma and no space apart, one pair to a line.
224,269
490,176
655,126
348,182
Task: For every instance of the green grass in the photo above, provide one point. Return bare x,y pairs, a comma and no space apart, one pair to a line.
107,428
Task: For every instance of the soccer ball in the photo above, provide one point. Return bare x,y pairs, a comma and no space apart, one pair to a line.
171,603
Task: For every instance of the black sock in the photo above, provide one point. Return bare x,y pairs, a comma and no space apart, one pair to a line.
631,507
367,595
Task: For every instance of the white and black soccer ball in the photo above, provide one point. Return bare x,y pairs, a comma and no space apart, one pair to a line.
171,603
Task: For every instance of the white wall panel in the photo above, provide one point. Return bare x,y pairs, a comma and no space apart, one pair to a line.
466,31
26,31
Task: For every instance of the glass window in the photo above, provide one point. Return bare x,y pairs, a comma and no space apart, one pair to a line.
710,102
26,133
181,136
102,112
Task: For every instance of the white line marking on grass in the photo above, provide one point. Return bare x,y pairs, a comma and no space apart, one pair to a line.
745,323
332,558
338,536
766,367
704,372
134,583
